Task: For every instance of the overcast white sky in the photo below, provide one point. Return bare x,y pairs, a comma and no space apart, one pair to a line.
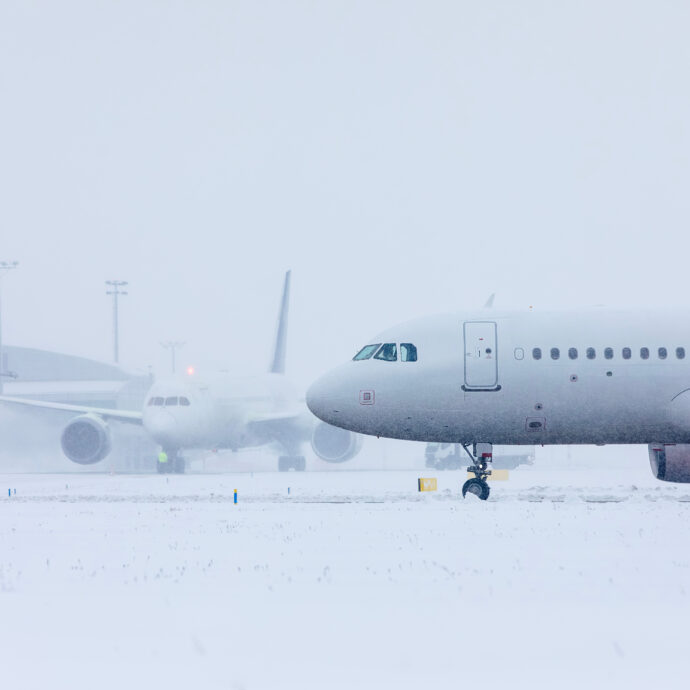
401,158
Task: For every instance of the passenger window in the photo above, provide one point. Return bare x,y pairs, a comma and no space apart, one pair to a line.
608,353
663,353
591,353
680,352
156,401
555,353
572,353
388,352
536,353
408,352
519,353
644,352
171,402
627,353
366,352
184,402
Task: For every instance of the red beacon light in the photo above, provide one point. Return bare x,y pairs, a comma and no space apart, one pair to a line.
190,371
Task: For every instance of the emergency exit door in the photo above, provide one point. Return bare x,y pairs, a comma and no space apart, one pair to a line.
481,363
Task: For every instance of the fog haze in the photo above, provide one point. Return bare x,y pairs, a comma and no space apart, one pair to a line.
401,158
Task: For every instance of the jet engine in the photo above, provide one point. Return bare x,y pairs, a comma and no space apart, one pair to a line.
333,444
670,461
86,439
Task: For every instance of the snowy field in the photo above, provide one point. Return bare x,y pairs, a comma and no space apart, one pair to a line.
563,579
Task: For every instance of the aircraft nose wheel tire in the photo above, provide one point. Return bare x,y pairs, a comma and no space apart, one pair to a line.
478,487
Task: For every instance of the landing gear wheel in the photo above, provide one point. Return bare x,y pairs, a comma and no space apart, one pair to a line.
478,487
179,465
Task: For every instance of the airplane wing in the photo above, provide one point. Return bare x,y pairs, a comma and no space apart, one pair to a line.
119,415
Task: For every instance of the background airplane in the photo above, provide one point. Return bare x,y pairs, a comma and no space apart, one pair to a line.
222,411
515,378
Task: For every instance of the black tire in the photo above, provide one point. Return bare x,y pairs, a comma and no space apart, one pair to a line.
476,487
300,463
284,463
179,465
161,467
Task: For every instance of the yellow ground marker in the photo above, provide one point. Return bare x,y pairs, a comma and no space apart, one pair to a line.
429,484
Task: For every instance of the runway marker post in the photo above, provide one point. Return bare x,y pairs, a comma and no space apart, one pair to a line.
235,497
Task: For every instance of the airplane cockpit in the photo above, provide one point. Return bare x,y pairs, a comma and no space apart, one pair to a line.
171,401
387,352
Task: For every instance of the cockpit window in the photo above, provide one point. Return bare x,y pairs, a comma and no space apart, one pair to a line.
388,352
156,401
366,352
184,401
170,402
408,352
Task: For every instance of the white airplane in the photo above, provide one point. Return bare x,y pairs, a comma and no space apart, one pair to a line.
522,378
222,411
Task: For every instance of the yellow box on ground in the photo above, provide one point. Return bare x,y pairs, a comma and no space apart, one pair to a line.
495,476
429,484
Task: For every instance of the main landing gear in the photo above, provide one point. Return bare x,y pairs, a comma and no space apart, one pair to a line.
481,458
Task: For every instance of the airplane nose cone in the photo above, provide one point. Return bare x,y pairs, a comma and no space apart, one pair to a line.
162,426
325,397
336,398
316,397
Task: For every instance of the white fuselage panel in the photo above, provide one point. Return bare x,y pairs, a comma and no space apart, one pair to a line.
521,378
224,411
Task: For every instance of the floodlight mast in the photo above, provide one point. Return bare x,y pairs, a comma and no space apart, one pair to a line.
115,291
172,346
5,267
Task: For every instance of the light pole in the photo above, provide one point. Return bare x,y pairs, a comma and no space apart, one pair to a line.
5,267
172,346
115,291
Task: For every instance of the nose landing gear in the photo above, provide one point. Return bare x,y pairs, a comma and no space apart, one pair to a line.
476,486
481,462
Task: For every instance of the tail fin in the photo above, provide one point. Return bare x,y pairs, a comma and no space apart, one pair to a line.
278,362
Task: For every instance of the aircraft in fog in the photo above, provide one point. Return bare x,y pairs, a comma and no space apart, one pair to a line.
219,412
522,378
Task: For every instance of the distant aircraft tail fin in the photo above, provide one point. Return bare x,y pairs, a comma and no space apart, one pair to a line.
278,361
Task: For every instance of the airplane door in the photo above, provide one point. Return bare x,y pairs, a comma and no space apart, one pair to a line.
481,363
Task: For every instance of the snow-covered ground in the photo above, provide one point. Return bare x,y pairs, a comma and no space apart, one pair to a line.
350,580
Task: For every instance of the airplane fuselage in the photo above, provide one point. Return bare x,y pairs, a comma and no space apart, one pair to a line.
596,376
221,411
